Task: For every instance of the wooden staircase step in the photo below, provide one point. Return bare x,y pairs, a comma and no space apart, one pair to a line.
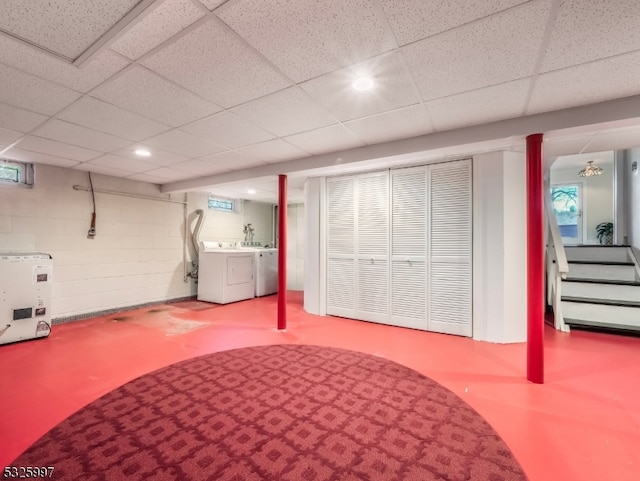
603,263
603,281
604,302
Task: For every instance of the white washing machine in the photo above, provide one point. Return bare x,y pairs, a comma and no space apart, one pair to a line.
266,267
225,275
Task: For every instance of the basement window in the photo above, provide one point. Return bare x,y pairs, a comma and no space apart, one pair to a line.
15,173
218,203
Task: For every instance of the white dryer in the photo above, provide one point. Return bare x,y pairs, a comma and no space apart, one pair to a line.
225,275
266,267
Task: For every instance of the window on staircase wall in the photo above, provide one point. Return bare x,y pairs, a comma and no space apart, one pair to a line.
15,173
567,205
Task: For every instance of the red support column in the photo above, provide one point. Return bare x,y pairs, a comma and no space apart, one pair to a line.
282,252
535,260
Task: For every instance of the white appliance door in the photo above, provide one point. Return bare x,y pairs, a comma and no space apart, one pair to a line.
267,279
239,269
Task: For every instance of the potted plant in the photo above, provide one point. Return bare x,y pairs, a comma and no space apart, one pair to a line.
604,233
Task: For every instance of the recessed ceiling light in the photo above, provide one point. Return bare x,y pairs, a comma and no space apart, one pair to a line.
362,83
251,191
142,152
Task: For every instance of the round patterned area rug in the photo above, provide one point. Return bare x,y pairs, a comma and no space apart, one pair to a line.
281,413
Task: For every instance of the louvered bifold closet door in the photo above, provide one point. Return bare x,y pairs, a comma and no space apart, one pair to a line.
372,247
341,259
408,247
450,243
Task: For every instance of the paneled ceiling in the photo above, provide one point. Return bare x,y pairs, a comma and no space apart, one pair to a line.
210,87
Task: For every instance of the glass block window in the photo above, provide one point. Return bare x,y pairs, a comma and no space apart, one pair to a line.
9,173
218,203
14,173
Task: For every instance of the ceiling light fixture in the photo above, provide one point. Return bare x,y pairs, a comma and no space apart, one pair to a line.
590,170
251,191
362,83
142,153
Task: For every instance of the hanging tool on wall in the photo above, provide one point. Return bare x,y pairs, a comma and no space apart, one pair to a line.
92,230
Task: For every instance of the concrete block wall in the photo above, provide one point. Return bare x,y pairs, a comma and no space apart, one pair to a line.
228,226
135,258
137,254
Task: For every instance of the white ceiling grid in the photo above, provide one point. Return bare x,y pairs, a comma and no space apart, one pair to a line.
213,86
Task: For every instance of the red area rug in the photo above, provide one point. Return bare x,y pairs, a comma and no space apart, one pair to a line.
281,413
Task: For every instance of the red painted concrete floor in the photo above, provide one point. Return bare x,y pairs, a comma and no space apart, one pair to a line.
583,424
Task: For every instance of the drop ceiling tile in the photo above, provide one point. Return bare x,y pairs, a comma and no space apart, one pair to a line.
286,112
105,117
159,25
151,179
162,175
413,20
326,139
228,130
76,135
393,88
158,157
494,50
17,119
615,140
38,158
398,124
554,147
586,30
31,60
587,83
276,150
212,4
232,160
325,35
143,92
101,169
180,142
7,137
58,149
213,62
200,167
32,93
489,104
67,28
122,163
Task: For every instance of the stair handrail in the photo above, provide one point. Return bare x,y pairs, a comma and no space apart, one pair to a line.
557,264
556,238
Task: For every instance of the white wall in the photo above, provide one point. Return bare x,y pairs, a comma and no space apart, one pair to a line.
633,199
598,197
229,226
499,247
295,246
260,215
136,256
314,272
